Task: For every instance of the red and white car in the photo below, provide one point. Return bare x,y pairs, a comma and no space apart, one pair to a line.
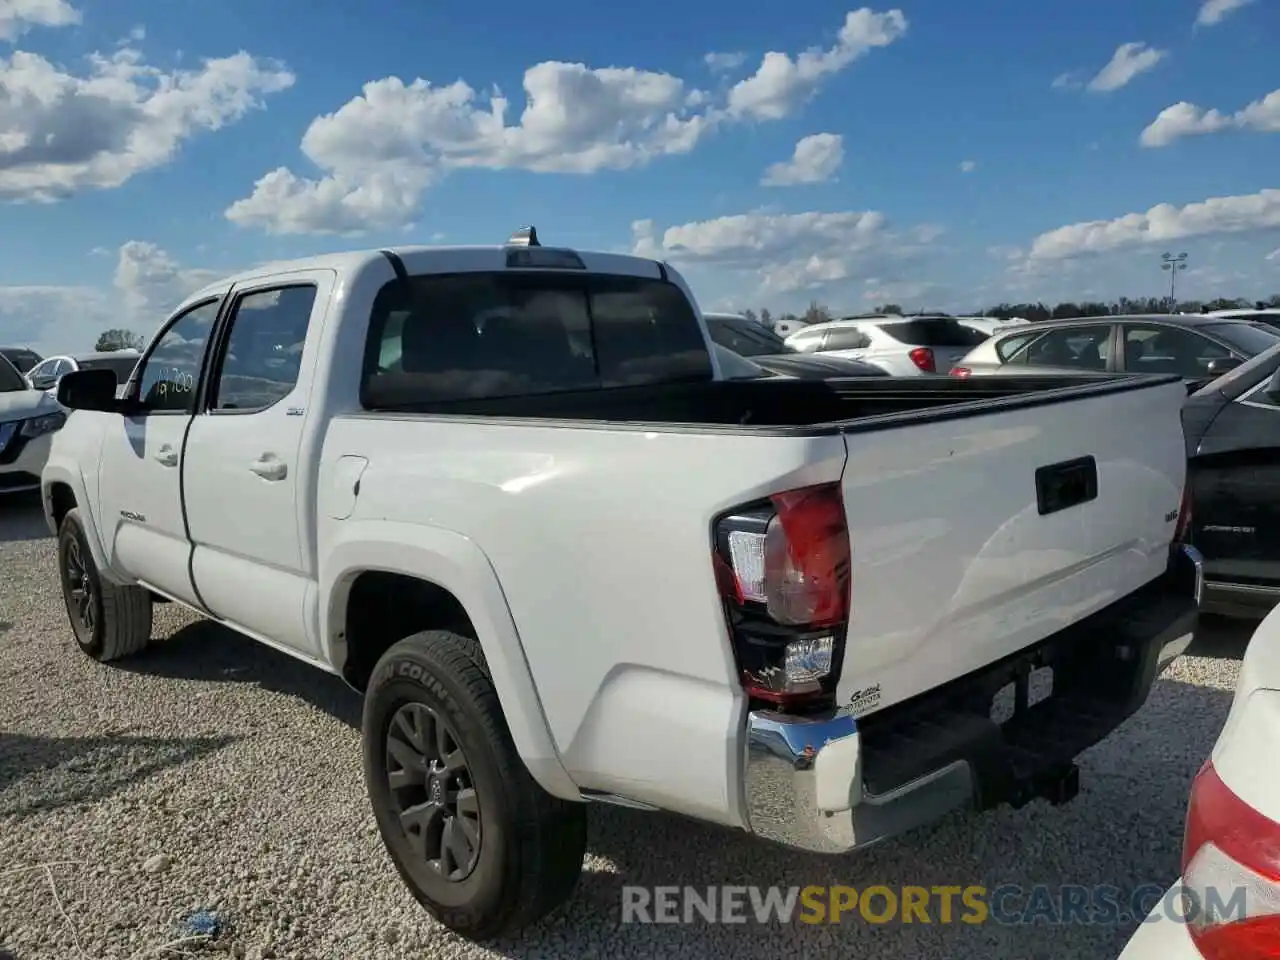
1232,841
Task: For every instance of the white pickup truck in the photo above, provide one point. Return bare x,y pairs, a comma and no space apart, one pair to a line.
506,494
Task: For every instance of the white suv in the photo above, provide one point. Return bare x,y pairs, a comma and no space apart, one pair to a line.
901,346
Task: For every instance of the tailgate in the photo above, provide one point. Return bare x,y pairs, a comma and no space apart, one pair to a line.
968,543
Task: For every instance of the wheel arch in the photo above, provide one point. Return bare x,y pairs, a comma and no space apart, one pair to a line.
418,578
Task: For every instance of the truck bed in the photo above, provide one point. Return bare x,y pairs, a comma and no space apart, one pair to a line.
796,407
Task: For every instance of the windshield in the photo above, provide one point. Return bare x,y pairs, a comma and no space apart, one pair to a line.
745,338
1251,338
11,381
120,366
21,358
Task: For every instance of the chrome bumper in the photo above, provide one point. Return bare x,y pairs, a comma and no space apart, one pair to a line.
803,776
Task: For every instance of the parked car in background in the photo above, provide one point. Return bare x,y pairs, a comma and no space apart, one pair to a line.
1232,430
1196,347
749,339
734,366
901,346
46,374
1230,865
23,358
27,418
987,326
1268,315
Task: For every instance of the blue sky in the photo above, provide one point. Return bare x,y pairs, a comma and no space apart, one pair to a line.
942,154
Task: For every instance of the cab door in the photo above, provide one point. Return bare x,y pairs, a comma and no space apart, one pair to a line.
140,489
247,475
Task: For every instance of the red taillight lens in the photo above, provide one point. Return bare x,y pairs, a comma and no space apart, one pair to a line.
782,567
1182,532
1231,874
922,357
961,372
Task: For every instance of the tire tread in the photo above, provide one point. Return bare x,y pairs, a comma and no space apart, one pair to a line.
549,832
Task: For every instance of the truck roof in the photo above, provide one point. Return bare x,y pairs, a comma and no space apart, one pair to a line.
349,261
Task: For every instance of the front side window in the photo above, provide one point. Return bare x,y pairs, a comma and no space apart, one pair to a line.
1161,349
489,335
810,341
167,377
263,354
1078,348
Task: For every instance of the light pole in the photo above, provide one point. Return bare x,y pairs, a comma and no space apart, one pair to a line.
1173,265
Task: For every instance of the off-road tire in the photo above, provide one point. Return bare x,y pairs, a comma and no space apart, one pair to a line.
121,615
531,843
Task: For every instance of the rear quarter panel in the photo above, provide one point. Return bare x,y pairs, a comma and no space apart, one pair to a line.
601,541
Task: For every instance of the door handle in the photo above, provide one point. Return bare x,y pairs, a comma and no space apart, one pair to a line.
166,456
269,467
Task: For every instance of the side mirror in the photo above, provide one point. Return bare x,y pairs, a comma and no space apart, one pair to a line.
1221,365
89,390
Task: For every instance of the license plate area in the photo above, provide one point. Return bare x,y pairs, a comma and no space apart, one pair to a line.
1070,483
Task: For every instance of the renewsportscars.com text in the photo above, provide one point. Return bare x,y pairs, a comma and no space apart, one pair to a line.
1008,904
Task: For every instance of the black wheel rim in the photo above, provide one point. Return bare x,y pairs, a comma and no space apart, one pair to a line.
432,792
79,587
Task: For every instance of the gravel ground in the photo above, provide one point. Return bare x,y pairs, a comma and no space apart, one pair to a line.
212,773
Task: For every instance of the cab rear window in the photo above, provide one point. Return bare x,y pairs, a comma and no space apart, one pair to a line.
486,335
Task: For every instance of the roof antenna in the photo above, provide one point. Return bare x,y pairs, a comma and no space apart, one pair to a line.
524,237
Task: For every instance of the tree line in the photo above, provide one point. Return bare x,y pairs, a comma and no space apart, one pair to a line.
819,312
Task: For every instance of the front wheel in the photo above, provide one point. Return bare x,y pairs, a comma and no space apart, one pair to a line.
109,621
480,844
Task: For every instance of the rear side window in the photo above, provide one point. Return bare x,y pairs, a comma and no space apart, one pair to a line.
488,335
939,332
1007,347
846,338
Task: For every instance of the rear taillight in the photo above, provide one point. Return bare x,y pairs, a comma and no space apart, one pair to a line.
961,372
1230,874
782,566
922,357
1182,532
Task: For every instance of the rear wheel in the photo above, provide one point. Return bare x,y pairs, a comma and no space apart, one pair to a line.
480,844
109,621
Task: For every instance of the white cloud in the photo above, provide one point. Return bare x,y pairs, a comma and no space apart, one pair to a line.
379,152
54,319
782,83
784,252
1215,11
815,159
1129,60
61,133
19,16
1162,223
724,62
1188,120
1066,81
1273,255
968,166
150,283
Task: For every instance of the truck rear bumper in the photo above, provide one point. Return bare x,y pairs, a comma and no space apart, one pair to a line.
832,783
